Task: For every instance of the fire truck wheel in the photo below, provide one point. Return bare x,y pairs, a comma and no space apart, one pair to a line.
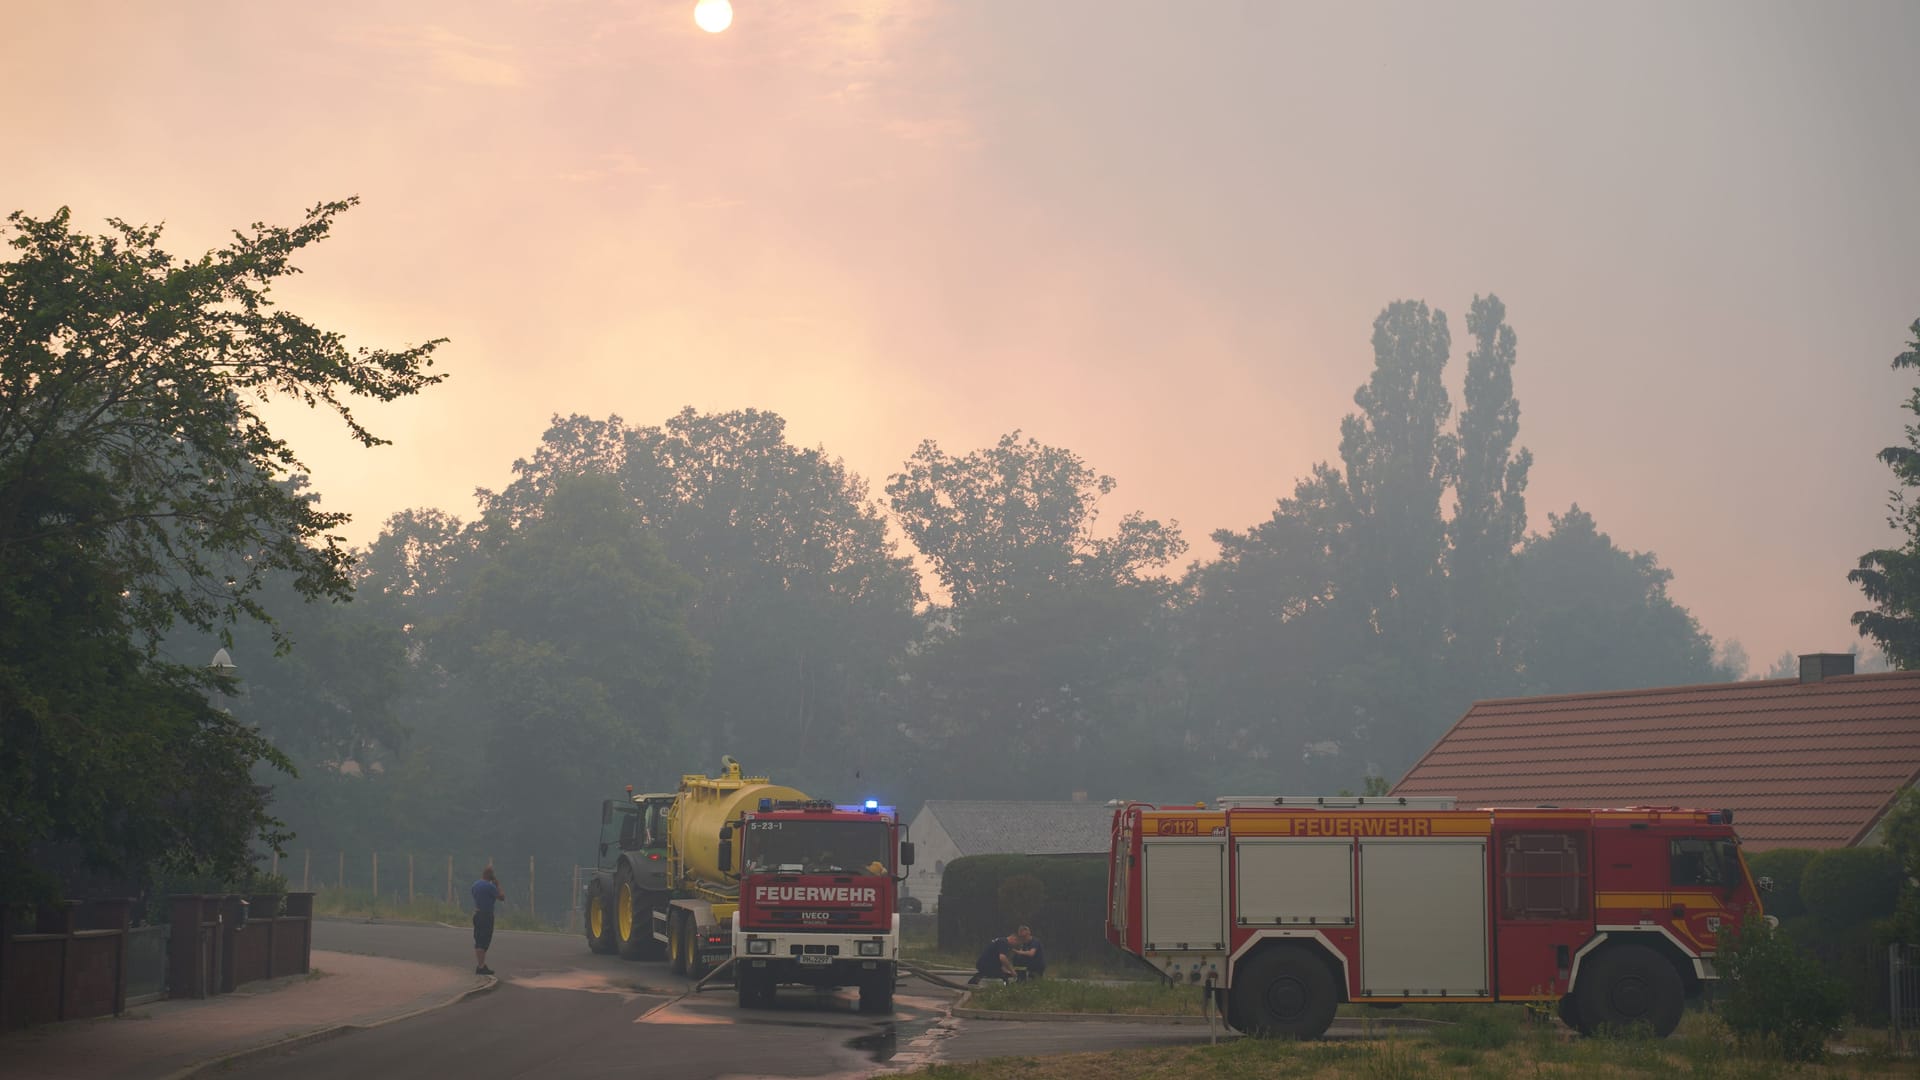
754,986
600,929
1284,993
876,991
1570,1012
1630,986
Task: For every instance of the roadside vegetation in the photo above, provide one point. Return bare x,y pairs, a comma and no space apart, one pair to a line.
1501,1044
1050,995
362,904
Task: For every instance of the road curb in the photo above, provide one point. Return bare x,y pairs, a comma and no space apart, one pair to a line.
321,1034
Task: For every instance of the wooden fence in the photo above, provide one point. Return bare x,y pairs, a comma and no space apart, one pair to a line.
71,960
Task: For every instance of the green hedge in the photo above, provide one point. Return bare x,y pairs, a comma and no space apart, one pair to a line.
1786,866
1848,887
1063,897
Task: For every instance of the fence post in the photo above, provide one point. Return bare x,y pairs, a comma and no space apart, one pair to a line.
409,879
376,877
306,872
449,881
341,881
530,892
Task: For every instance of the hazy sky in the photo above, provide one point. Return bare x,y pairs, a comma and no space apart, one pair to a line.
1156,233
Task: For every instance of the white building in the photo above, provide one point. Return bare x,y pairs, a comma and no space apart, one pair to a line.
944,831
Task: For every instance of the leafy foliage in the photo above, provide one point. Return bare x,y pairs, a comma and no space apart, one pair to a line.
1066,895
1890,577
1776,992
1786,867
141,489
1851,886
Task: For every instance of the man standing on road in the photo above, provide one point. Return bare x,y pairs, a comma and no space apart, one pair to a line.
486,893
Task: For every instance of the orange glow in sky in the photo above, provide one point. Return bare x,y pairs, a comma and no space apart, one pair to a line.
1155,239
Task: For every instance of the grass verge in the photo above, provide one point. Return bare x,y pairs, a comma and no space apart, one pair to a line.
1070,996
1496,1047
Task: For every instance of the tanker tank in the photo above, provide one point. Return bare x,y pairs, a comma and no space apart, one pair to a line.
704,805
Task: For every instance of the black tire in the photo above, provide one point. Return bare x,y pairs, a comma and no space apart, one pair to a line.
876,990
632,919
676,941
753,985
1628,987
601,933
696,966
1569,1012
1285,993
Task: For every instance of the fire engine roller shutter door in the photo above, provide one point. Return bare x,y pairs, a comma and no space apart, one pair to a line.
1423,918
1184,895
1284,882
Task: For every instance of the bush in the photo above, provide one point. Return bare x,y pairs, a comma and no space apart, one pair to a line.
1848,887
1064,898
1786,866
1775,992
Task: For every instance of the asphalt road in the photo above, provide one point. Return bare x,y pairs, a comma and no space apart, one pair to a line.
562,1011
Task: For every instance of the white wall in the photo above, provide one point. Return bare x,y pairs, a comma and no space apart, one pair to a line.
933,849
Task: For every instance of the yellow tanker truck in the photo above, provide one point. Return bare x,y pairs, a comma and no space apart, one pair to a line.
792,890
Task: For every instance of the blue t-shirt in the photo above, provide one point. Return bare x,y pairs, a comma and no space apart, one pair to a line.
484,894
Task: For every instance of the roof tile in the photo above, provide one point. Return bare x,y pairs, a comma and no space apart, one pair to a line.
1800,764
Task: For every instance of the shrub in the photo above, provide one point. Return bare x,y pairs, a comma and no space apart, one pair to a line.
1851,886
1065,897
1775,992
1786,866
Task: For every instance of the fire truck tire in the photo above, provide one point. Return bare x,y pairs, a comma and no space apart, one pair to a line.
600,929
754,986
876,991
1630,986
1283,993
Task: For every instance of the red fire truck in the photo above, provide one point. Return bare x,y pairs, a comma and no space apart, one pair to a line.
1284,907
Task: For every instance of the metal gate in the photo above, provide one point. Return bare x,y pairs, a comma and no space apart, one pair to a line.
147,963
1903,997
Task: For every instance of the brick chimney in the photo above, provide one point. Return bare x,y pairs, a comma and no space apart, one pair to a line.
1820,666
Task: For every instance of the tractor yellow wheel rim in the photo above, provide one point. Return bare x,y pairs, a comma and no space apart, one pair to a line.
596,915
626,912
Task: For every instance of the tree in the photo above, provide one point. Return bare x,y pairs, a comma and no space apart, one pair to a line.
1592,616
1490,506
1048,672
1018,518
575,632
1890,577
803,604
140,488
1399,459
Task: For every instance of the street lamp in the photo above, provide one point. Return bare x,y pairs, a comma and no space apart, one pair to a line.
222,664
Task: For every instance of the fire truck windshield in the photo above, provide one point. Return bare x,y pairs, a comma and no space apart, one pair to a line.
1714,863
817,847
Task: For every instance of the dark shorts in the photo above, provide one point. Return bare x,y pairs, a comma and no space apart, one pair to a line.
483,929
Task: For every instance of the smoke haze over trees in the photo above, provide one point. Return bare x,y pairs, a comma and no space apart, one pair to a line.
641,599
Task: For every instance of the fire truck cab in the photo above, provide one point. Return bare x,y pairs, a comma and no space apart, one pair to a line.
1283,907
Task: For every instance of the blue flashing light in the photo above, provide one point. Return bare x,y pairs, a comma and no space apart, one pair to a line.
766,805
873,804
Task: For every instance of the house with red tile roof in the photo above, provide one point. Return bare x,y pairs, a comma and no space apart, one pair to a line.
1812,762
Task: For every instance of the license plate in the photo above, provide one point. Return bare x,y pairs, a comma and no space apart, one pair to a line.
815,958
